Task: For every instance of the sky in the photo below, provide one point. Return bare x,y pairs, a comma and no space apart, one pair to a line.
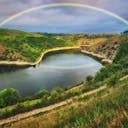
65,19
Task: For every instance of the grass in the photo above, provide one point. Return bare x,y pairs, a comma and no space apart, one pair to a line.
28,105
105,109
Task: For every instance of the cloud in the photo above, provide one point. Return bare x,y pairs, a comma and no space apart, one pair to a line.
70,18
55,16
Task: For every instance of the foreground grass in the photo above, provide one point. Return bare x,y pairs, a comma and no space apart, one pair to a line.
30,104
51,98
49,108
105,109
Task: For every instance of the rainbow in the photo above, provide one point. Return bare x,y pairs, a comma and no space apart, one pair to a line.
12,17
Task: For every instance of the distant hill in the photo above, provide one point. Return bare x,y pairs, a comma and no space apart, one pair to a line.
26,46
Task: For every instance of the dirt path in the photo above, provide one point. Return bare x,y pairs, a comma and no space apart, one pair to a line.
48,108
123,77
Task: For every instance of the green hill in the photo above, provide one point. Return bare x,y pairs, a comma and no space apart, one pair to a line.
25,46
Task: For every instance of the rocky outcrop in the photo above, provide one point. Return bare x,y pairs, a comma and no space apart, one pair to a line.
98,57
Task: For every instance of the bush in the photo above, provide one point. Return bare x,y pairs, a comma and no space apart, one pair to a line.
9,96
112,80
122,52
107,71
41,93
89,78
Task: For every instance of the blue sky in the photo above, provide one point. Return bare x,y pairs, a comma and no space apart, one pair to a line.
65,19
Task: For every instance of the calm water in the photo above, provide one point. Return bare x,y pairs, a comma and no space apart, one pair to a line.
63,69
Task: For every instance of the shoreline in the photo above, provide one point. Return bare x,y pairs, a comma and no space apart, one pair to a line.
39,59
98,57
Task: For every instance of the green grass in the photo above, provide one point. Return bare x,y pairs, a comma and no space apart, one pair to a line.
54,96
102,113
105,109
28,45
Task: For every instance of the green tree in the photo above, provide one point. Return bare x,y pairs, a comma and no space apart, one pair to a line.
122,52
89,78
56,93
41,93
9,96
2,103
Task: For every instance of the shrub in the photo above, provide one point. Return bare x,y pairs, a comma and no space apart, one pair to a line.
89,78
41,93
112,80
9,96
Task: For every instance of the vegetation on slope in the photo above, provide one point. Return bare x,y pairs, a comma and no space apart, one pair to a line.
105,109
25,46
40,99
19,45
8,97
106,47
119,65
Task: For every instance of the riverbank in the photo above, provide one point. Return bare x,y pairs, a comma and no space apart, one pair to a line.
98,57
21,63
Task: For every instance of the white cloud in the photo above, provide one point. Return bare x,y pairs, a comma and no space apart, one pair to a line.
61,16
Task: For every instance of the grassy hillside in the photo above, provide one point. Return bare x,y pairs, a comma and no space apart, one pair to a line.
105,109
25,46
106,47
19,45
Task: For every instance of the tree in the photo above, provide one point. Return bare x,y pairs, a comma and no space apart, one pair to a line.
2,103
41,93
56,93
9,96
89,78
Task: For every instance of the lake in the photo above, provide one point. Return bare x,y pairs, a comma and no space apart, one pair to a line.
59,69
